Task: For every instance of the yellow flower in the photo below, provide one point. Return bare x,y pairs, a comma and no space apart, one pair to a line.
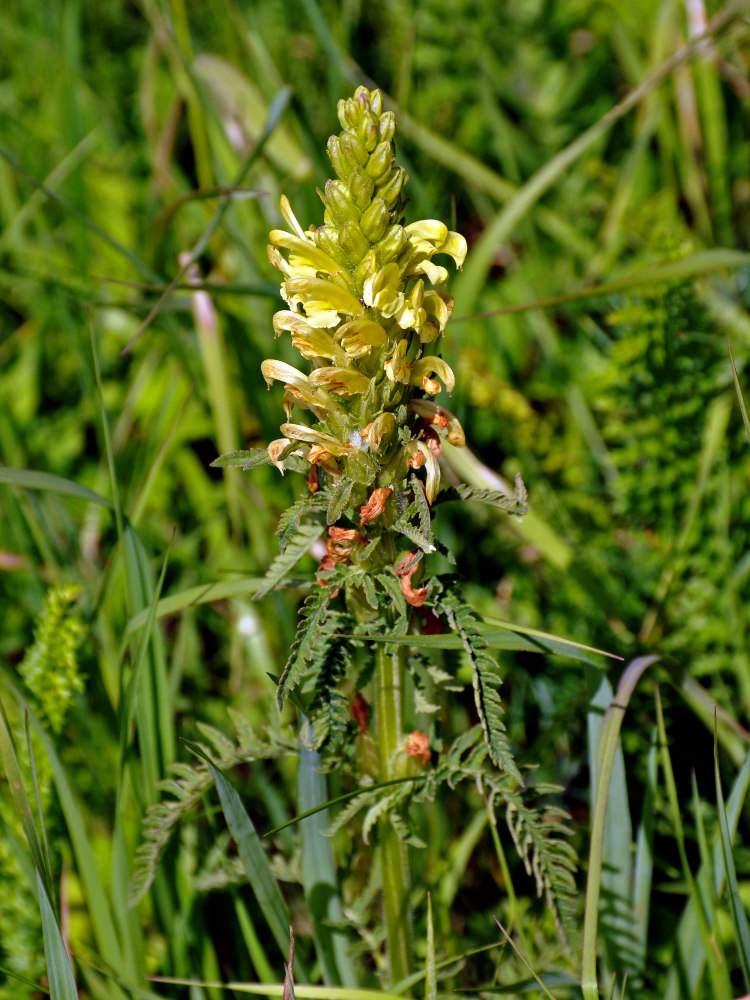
342,381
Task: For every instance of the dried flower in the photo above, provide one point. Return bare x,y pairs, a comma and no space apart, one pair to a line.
418,745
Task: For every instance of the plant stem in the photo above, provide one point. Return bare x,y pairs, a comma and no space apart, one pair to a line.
394,856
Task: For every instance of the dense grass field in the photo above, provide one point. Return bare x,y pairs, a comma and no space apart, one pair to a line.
580,831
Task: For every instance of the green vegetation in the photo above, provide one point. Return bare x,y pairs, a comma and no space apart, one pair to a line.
441,778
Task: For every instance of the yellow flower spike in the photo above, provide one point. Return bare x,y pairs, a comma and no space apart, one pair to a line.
440,417
341,381
419,448
321,299
359,336
280,371
422,370
396,367
299,432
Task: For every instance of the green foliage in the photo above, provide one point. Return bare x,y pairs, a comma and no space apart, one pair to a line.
311,619
123,130
485,680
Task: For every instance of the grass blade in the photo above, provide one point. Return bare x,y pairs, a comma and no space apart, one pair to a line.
430,968
204,593
62,984
740,396
615,912
30,480
691,957
252,855
739,917
21,803
606,752
720,983
319,872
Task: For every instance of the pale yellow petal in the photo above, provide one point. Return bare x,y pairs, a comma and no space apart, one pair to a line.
455,246
290,218
341,381
359,336
280,371
428,229
299,432
426,367
303,252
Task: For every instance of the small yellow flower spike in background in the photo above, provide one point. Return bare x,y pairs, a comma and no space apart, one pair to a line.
363,309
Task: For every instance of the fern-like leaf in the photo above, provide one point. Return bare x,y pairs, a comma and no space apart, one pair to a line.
515,503
329,709
285,562
540,835
290,519
254,458
486,683
341,494
419,534
312,617
183,790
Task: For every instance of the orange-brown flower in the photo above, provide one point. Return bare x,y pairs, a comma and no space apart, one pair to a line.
405,569
418,745
375,505
313,483
360,712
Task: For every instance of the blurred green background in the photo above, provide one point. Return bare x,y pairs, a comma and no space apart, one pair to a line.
124,128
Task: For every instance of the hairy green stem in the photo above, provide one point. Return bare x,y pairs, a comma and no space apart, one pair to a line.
394,856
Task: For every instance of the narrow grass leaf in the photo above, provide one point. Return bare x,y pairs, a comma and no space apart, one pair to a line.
719,974
739,917
276,990
643,863
690,958
319,872
616,918
740,395
21,803
252,855
96,899
542,985
204,593
430,967
62,984
499,635
605,762
30,480
697,264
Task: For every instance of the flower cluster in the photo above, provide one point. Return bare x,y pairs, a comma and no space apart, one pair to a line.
364,311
